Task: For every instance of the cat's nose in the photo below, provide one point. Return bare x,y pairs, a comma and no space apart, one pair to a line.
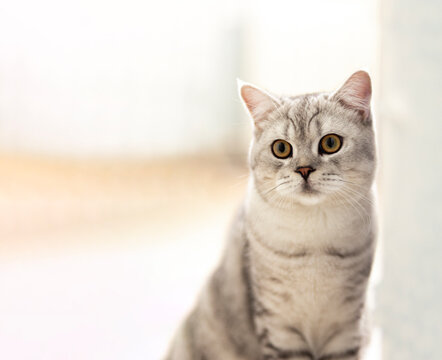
305,171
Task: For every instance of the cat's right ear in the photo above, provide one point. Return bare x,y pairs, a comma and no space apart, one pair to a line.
259,104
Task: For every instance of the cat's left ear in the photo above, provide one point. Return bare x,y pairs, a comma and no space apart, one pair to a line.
356,93
258,103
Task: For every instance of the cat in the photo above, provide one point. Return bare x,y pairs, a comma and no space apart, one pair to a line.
293,278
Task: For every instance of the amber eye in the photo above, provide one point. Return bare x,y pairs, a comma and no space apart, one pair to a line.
281,149
330,144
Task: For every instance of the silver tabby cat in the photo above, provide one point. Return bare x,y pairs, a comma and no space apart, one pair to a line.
292,281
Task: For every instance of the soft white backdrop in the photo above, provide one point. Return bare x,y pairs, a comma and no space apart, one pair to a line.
151,78
139,79
148,80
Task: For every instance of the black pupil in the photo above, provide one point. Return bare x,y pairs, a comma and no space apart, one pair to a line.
330,142
281,147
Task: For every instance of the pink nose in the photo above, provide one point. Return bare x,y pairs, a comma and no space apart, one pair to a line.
305,171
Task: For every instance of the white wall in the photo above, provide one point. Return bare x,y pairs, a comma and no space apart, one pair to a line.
410,108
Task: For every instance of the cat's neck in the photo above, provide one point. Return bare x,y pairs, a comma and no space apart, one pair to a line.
315,226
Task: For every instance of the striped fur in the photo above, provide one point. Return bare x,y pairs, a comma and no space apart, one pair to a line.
292,282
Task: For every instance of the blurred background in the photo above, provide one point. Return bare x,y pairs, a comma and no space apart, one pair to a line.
123,157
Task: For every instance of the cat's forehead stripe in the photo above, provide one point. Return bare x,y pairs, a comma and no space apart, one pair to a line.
300,112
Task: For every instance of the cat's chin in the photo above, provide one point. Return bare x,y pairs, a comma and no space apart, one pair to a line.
309,198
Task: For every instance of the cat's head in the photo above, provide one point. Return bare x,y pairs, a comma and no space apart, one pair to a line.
313,148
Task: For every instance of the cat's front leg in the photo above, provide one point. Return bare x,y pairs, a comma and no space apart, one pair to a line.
280,342
345,345
350,354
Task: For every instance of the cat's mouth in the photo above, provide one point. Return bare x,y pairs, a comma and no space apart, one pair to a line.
307,188
308,195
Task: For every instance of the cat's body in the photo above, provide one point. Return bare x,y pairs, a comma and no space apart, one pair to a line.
292,282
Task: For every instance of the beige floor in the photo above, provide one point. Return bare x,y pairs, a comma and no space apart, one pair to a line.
101,259
41,200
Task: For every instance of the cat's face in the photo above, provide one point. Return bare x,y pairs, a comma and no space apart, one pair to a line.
314,148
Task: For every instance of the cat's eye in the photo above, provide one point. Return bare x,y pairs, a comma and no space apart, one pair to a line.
330,144
281,149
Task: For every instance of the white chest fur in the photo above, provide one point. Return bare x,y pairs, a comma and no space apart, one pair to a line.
308,228
299,269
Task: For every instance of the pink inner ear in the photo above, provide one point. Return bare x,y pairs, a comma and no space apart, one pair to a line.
356,93
250,96
257,102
